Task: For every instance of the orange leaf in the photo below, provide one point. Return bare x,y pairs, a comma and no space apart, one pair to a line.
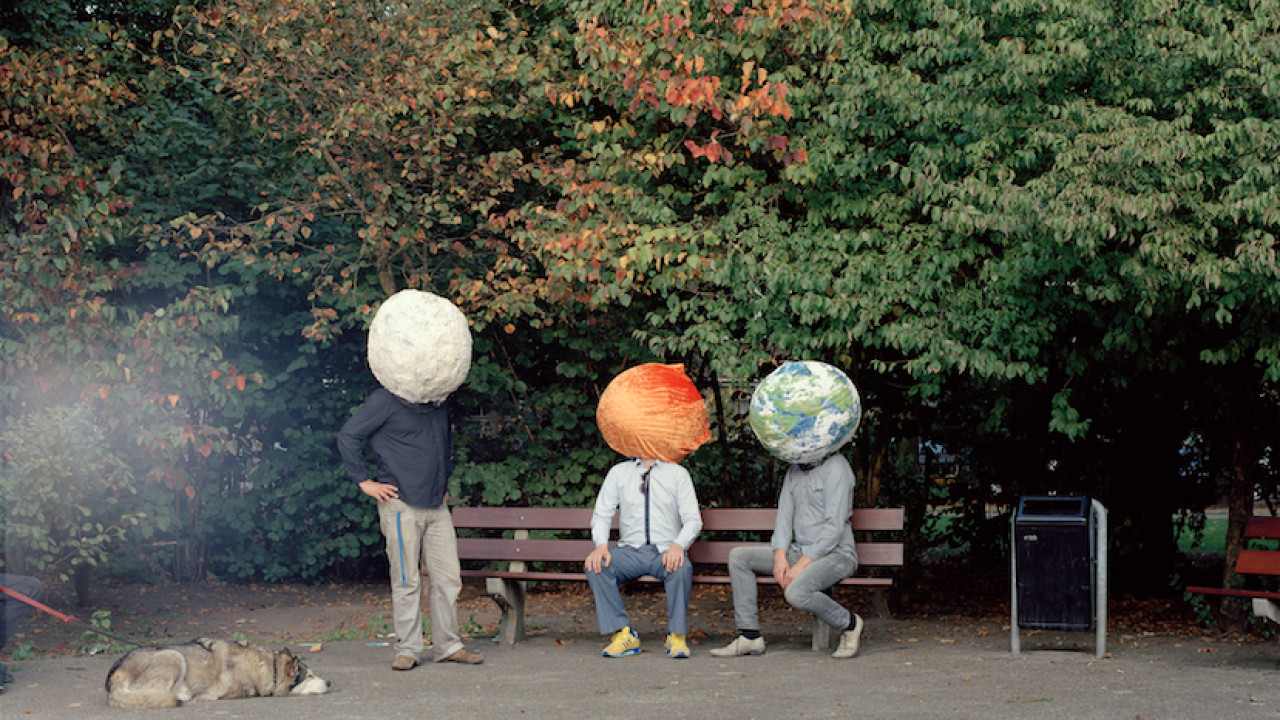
239,382
191,492
103,392
215,374
173,401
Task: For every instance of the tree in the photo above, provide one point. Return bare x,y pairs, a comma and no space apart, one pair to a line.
66,496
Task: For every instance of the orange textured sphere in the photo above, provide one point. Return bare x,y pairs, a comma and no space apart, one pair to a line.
653,411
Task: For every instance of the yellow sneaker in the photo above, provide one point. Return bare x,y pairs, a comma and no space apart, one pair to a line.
676,646
625,642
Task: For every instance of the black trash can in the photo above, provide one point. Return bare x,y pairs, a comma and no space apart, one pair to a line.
1054,556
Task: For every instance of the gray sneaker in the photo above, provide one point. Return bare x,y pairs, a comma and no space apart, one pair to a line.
741,645
849,639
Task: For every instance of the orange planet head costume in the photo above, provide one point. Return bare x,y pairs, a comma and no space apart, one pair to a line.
653,411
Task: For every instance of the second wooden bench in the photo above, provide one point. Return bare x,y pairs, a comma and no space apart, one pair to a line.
507,586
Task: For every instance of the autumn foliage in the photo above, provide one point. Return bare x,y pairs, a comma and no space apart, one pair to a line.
1040,237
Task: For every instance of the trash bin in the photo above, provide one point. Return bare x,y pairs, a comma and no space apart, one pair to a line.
1054,554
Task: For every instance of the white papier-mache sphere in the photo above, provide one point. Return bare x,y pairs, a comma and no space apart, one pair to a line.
419,346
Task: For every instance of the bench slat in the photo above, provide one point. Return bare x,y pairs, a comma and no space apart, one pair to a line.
711,552
1258,562
713,519
1234,592
702,579
501,518
869,554
1263,528
527,550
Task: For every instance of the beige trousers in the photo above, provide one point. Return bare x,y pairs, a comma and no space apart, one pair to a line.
422,540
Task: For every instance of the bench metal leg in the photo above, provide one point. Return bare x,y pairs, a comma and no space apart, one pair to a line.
1264,608
509,595
880,603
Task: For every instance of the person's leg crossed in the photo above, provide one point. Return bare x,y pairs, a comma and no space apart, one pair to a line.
807,592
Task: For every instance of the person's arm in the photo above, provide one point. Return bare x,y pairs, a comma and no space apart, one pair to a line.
448,441
687,508
783,529
780,568
782,532
601,518
362,424
690,523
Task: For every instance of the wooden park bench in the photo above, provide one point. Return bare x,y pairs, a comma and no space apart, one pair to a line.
709,556
1255,563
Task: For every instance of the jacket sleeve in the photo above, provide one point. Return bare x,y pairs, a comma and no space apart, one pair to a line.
690,517
783,526
362,424
606,506
448,442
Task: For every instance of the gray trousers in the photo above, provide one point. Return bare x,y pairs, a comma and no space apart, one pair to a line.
426,536
14,611
628,563
804,593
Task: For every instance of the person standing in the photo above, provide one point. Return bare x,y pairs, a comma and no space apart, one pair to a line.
812,549
658,522
413,447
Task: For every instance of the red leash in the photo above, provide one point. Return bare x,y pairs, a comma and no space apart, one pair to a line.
61,616
37,605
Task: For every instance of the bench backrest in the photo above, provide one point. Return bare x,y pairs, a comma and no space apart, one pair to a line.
873,553
1260,562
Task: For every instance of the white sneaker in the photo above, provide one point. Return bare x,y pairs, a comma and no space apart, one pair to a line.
741,645
848,646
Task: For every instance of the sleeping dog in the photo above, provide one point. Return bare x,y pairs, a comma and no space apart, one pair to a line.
205,669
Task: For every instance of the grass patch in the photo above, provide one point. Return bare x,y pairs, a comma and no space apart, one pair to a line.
1214,539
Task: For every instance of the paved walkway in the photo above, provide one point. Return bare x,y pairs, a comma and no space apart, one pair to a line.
907,669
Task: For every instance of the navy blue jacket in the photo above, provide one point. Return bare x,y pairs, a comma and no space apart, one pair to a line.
412,444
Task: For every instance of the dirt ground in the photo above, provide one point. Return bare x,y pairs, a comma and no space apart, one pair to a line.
955,600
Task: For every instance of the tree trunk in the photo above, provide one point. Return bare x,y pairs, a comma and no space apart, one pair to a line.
82,577
1239,510
386,277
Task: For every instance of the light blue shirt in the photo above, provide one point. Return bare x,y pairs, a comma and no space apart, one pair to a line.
814,509
672,506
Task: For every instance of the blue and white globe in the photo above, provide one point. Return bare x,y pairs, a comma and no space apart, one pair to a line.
804,411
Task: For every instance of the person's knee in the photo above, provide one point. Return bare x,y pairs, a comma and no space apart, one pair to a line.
739,558
797,596
682,574
27,585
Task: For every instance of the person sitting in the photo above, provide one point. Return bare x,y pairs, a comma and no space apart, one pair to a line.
658,521
812,549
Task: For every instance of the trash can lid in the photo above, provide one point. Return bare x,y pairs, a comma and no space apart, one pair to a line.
1052,507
